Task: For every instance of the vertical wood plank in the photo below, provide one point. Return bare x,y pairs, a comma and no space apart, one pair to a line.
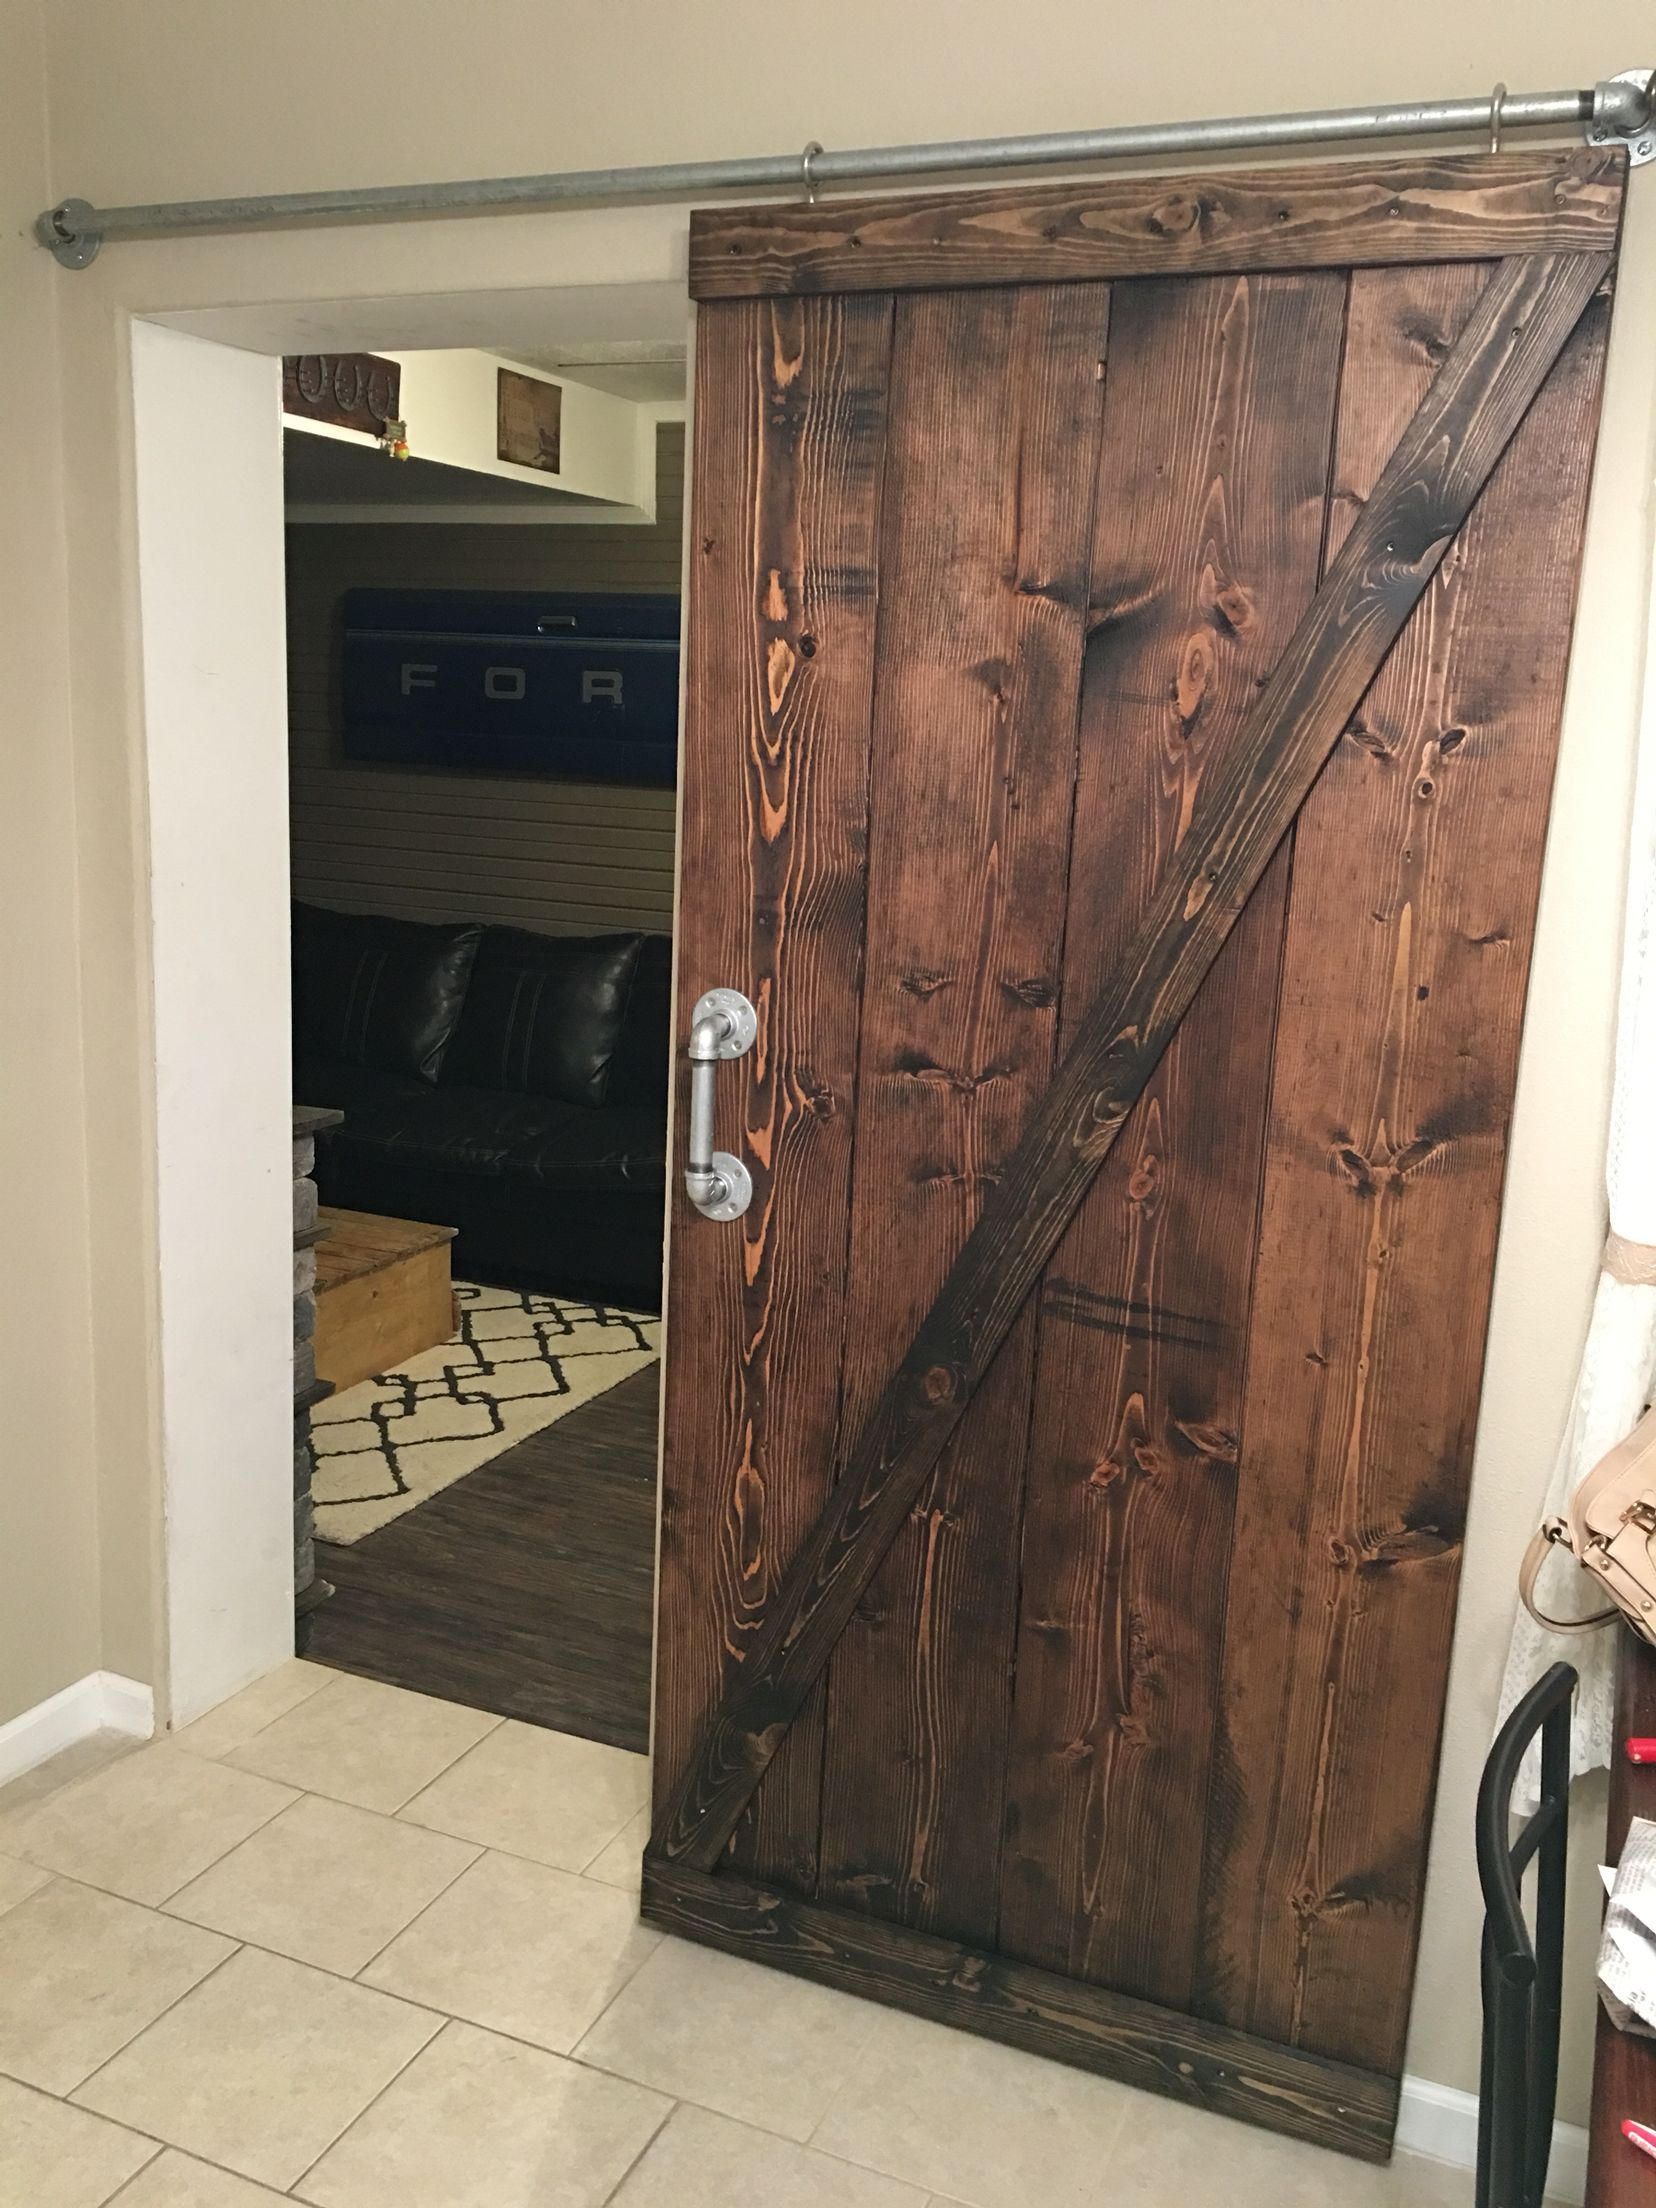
1210,505
790,419
995,410
1416,869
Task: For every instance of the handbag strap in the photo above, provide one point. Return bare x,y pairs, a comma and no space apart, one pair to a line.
1535,1556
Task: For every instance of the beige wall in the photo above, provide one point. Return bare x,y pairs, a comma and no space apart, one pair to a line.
49,1633
200,96
569,857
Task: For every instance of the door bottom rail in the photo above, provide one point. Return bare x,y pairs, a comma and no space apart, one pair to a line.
1286,2089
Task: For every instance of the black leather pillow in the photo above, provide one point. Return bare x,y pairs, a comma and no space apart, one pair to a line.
543,1014
384,994
638,1072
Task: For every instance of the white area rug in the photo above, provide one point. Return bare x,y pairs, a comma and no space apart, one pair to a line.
518,1363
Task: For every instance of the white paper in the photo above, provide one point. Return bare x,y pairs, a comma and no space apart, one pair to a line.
1627,1951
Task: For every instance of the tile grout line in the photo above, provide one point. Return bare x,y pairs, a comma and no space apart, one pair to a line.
134,2131
454,1762
127,2183
441,2020
689,2100
516,1855
208,1755
442,2017
673,2107
631,1979
49,1879
335,1681
160,1907
351,1978
369,2105
614,1836
243,1945
425,1909
587,2031
116,2123
130,1745
99,2068
338,1977
340,1678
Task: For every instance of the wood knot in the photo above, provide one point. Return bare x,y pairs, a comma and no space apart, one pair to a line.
995,676
779,668
1176,218
1190,684
923,983
1145,1180
1366,739
1355,1167
1234,609
1405,1545
1428,340
1217,1443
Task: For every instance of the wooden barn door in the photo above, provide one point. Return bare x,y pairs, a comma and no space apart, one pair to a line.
1128,631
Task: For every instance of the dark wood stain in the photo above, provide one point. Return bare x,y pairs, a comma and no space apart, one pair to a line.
1346,214
1060,1664
1244,808
1218,436
790,426
1415,884
524,1588
1203,2065
983,598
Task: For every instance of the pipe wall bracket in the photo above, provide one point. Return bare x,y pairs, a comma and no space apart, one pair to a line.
1619,121
70,233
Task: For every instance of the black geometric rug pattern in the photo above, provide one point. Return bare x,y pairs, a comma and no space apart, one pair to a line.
518,1362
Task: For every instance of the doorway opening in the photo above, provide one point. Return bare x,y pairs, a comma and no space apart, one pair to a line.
213,500
483,555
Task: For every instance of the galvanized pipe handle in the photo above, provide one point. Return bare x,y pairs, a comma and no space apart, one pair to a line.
723,1025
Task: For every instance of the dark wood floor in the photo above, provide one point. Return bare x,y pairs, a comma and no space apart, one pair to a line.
524,1588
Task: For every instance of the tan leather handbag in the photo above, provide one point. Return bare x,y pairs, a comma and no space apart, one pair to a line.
1610,1530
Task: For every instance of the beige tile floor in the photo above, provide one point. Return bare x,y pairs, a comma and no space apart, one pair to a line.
343,1945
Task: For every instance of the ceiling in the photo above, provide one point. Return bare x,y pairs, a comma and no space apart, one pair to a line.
642,368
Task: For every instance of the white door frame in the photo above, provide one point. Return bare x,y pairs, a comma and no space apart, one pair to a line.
209,518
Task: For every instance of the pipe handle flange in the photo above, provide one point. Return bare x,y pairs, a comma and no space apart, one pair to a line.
731,1191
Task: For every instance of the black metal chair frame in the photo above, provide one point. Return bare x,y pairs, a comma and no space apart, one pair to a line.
1522,1974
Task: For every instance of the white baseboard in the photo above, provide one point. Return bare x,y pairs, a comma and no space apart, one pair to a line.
1438,2120
101,1702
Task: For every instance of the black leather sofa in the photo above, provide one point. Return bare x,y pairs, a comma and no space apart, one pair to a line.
508,1084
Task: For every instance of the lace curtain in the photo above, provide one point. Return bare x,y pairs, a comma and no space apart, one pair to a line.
1618,1364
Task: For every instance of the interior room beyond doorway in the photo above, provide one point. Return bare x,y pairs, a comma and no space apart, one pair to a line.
483,557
